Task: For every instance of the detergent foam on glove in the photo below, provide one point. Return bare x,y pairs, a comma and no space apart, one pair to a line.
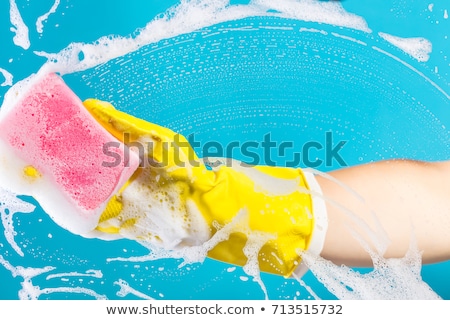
53,150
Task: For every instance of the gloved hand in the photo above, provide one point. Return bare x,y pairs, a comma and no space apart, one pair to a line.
173,200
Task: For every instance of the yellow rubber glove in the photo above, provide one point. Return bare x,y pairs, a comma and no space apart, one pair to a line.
176,201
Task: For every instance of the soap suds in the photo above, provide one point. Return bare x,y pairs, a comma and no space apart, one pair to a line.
191,16
126,289
9,206
20,29
413,69
418,48
30,291
40,21
8,78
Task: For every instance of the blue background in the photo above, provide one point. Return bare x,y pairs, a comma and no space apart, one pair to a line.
238,86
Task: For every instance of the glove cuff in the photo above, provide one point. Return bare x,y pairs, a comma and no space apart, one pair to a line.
319,210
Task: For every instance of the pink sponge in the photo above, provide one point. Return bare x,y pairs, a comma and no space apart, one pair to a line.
51,148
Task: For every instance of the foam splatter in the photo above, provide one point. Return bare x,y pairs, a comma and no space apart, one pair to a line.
190,16
126,289
20,29
89,273
8,78
40,20
418,48
29,291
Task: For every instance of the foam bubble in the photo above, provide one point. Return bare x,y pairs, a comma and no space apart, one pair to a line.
8,78
40,21
159,214
264,183
126,289
78,290
418,48
29,291
254,244
9,206
390,279
415,70
89,273
20,29
337,35
190,16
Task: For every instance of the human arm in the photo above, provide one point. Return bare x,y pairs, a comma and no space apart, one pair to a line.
409,200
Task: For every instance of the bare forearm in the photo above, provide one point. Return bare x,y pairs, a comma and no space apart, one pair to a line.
407,199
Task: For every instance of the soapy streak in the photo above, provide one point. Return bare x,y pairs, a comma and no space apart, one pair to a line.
337,35
19,27
177,21
70,62
44,17
89,273
415,70
126,289
418,48
31,292
197,254
8,78
9,206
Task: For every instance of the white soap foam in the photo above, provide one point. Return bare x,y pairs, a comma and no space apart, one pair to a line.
160,216
337,35
77,290
194,253
9,206
20,29
54,200
190,16
89,273
8,78
255,242
419,48
29,291
40,20
413,69
14,94
126,289
390,279
313,30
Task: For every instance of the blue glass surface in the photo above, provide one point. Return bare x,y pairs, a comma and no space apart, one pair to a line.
222,83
